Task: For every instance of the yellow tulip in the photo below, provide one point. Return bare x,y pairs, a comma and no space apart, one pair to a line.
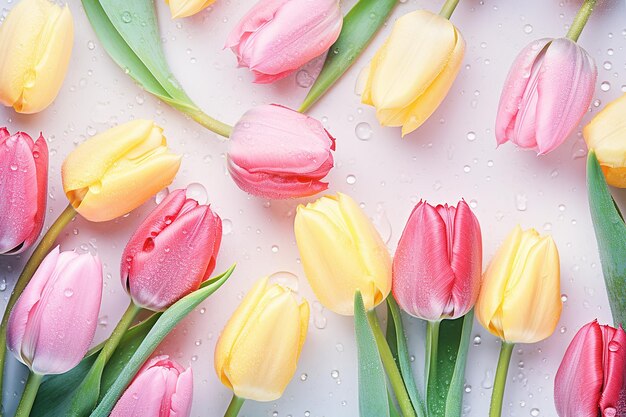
186,8
116,171
520,297
413,71
35,46
257,353
606,135
341,253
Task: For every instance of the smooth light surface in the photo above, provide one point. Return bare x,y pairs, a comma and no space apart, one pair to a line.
452,155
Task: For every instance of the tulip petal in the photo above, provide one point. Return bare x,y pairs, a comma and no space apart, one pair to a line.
181,399
614,370
40,155
186,8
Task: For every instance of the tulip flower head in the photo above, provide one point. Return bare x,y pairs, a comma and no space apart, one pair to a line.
257,353
276,37
23,190
54,321
36,41
341,253
438,263
116,171
172,252
278,153
186,8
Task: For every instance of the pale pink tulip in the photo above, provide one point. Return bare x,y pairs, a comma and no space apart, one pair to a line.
276,37
547,92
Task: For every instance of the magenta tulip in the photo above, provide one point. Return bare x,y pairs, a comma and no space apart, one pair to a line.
276,37
278,153
23,190
438,263
53,323
591,380
547,92
172,252
162,388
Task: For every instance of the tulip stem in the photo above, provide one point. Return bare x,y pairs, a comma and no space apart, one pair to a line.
389,363
210,123
430,374
448,8
29,394
581,19
235,405
117,334
499,383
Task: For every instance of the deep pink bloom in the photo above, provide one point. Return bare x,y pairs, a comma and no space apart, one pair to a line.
53,323
162,388
172,252
591,380
277,153
23,190
438,263
276,37
547,92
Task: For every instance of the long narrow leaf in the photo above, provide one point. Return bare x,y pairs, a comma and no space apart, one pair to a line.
454,398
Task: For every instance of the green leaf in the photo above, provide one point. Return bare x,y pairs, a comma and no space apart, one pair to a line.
373,399
166,322
359,26
611,236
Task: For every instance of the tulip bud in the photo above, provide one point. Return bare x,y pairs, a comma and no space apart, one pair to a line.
592,375
606,135
186,8
413,71
23,190
278,153
276,37
547,92
257,353
53,322
520,297
438,263
118,170
172,252
341,253
36,42
161,388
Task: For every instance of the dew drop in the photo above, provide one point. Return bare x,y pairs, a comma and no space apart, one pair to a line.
487,382
521,202
68,292
126,17
605,86
160,196
318,315
303,377
563,297
351,179
334,374
13,167
363,131
534,412
610,412
528,29
197,192
607,65
91,45
614,346
304,79
471,136
477,340
285,279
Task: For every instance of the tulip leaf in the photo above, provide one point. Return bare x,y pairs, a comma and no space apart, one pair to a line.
610,229
373,399
359,27
165,323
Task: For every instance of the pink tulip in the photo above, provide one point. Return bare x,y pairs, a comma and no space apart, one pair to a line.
547,92
438,263
172,252
23,190
162,388
277,153
276,37
591,380
53,323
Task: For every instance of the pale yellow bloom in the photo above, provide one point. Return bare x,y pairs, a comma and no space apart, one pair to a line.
36,42
116,171
413,71
341,253
257,353
520,298
186,8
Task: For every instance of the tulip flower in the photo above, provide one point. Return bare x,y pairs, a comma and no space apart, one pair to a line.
257,353
23,190
276,37
186,8
606,135
591,379
178,243
36,41
118,170
161,388
278,153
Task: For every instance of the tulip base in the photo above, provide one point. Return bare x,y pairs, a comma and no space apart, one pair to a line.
235,405
28,397
495,410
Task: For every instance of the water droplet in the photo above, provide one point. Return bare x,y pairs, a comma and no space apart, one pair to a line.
91,45
140,99
487,382
471,136
363,131
227,227
563,329
610,412
318,315
160,196
468,388
303,377
477,340
3,285
528,29
197,192
103,321
194,358
607,65
351,179
614,346
304,79
339,347
521,202
13,167
561,207
68,292
334,374
126,17
534,412
605,86
285,279
467,168
563,297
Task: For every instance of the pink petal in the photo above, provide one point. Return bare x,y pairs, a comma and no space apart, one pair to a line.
182,399
40,155
614,370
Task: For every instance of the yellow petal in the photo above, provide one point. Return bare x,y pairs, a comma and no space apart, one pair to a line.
186,8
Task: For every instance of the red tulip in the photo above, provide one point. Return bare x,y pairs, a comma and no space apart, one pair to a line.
591,380
172,252
438,263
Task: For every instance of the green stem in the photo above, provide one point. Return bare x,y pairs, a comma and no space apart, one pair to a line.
395,378
234,406
210,123
40,252
448,8
581,19
497,395
28,397
117,334
430,377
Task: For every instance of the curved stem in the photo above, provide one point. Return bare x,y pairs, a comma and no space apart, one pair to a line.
111,344
234,406
212,124
448,8
430,377
395,378
28,397
581,19
499,383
